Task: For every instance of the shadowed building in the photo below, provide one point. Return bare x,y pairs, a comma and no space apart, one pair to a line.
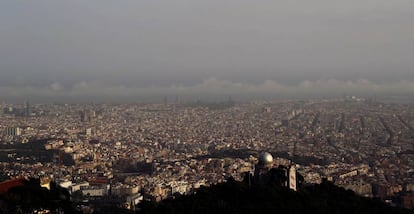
265,173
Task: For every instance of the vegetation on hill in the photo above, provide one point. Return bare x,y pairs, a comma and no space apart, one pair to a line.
239,197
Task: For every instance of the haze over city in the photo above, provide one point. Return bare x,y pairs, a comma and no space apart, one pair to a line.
200,106
102,50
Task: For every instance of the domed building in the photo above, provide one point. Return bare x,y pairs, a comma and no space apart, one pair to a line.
265,160
265,163
265,172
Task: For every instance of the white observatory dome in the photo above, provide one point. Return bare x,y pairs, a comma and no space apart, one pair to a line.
265,158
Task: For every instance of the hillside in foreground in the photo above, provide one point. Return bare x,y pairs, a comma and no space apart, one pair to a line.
26,196
238,197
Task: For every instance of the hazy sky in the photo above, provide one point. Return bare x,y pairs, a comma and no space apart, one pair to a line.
100,48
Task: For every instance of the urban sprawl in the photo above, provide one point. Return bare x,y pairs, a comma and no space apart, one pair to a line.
133,152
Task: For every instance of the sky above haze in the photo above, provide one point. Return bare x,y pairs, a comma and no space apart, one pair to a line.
137,49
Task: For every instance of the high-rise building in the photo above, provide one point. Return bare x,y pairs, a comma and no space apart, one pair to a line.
27,109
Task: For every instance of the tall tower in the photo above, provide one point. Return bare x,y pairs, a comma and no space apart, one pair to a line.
292,178
27,110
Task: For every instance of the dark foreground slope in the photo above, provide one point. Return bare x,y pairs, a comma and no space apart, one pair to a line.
27,196
238,197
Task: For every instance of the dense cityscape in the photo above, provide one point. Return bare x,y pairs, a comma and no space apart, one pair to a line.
127,153
199,107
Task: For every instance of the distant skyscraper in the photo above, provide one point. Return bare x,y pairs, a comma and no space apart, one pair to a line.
27,110
83,116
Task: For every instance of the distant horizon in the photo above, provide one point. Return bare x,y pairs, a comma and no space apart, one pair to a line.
397,99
